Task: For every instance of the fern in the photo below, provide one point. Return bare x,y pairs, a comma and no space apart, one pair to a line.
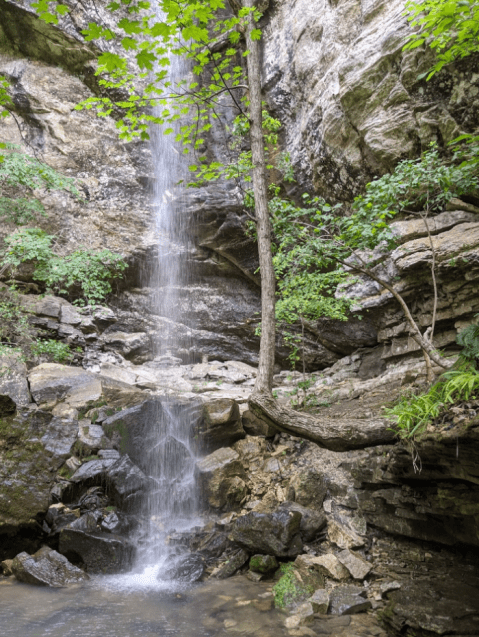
468,338
414,413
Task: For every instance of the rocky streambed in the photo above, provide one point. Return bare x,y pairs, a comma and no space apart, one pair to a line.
293,538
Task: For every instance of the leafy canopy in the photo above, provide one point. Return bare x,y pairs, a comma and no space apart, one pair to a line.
150,34
449,27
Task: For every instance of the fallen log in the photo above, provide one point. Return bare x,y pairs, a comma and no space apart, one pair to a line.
337,434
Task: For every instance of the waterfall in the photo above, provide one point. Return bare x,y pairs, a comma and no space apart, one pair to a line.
171,503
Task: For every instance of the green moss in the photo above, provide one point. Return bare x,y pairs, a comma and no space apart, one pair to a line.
288,590
92,404
65,472
255,562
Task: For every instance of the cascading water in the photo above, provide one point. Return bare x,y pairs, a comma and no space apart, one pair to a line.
171,504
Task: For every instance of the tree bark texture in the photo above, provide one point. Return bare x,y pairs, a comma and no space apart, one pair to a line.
340,434
264,378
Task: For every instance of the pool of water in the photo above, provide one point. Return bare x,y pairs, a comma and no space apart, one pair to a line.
137,605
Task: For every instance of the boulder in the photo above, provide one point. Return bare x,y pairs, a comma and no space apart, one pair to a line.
348,600
94,499
251,449
276,533
33,447
91,438
92,472
356,565
295,585
263,563
46,568
320,601
125,481
232,564
131,430
60,436
221,478
14,390
343,536
221,425
185,568
98,551
303,614
69,315
328,564
136,346
7,567
51,383
111,523
312,522
309,487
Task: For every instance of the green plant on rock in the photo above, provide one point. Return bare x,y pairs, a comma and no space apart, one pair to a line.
56,350
321,248
414,413
84,274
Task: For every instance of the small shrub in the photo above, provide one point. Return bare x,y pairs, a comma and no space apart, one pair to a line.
59,352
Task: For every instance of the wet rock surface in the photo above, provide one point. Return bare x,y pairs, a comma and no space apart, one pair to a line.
46,568
276,533
189,568
83,542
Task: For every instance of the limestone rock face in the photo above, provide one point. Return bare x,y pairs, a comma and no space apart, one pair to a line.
51,383
349,97
33,446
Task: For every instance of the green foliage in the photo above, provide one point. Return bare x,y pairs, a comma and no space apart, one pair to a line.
84,274
414,413
418,184
468,338
449,27
18,336
24,175
241,166
316,240
57,351
15,331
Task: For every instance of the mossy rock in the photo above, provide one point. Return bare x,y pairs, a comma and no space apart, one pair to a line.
293,586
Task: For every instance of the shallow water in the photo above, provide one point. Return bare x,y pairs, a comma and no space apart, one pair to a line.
138,606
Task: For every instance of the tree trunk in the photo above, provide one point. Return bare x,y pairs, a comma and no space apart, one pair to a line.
264,379
337,434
